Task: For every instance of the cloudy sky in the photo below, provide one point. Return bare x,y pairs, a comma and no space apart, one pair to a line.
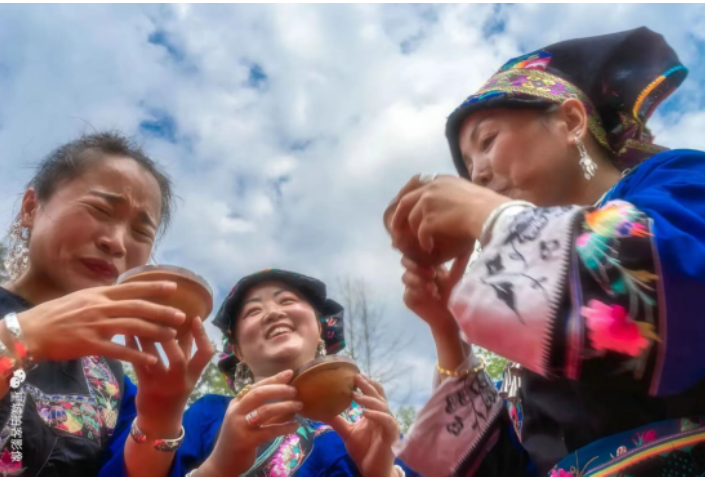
287,129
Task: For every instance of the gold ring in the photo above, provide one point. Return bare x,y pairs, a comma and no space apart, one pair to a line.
245,390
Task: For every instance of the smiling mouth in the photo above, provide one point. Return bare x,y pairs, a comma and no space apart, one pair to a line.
278,332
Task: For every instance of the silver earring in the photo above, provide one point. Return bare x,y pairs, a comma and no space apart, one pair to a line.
18,256
586,162
242,377
321,352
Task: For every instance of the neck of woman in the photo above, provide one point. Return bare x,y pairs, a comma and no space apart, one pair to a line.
278,367
34,288
606,176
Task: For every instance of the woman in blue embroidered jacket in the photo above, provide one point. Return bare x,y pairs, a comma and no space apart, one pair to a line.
589,279
275,321
92,211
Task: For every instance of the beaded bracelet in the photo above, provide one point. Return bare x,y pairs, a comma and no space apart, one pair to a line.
7,364
22,354
462,373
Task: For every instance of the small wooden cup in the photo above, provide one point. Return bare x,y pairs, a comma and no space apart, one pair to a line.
325,386
193,295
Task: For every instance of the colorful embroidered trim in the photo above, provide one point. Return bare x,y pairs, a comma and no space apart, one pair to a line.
105,389
651,87
656,442
541,84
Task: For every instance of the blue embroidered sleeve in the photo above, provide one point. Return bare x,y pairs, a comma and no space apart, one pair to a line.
614,289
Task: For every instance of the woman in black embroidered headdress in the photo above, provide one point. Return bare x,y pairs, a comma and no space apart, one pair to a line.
589,279
275,322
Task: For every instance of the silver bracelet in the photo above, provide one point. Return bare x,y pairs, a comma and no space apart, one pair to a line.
485,234
24,356
400,471
161,445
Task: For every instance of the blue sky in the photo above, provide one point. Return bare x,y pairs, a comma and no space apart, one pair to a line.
287,129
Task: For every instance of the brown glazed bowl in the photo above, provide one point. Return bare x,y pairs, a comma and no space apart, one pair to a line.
325,386
193,295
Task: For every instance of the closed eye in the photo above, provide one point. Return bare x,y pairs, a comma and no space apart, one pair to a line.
486,142
101,210
252,311
288,301
144,234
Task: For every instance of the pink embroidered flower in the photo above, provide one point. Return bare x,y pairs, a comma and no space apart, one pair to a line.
9,466
560,473
287,455
645,437
513,412
610,328
583,240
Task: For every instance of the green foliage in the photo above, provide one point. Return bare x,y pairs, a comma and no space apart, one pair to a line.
406,416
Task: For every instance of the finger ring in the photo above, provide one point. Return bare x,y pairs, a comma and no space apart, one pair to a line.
244,391
426,178
253,419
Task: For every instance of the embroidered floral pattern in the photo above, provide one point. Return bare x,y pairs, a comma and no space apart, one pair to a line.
688,424
533,61
288,457
10,465
74,414
516,415
293,450
533,81
642,438
526,227
598,249
105,389
89,416
614,327
662,449
353,414
610,328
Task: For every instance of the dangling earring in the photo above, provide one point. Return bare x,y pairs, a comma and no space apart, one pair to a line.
242,377
18,255
321,352
586,162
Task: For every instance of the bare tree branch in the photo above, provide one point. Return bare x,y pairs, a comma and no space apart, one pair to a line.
372,342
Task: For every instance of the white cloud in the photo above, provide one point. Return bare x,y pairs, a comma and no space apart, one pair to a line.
296,172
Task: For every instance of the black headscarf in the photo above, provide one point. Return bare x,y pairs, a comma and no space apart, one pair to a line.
621,78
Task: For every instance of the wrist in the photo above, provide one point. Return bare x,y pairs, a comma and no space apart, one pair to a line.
482,212
30,337
157,429
445,331
207,470
397,471
218,464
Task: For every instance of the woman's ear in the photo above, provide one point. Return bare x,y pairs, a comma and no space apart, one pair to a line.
28,210
575,116
235,350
